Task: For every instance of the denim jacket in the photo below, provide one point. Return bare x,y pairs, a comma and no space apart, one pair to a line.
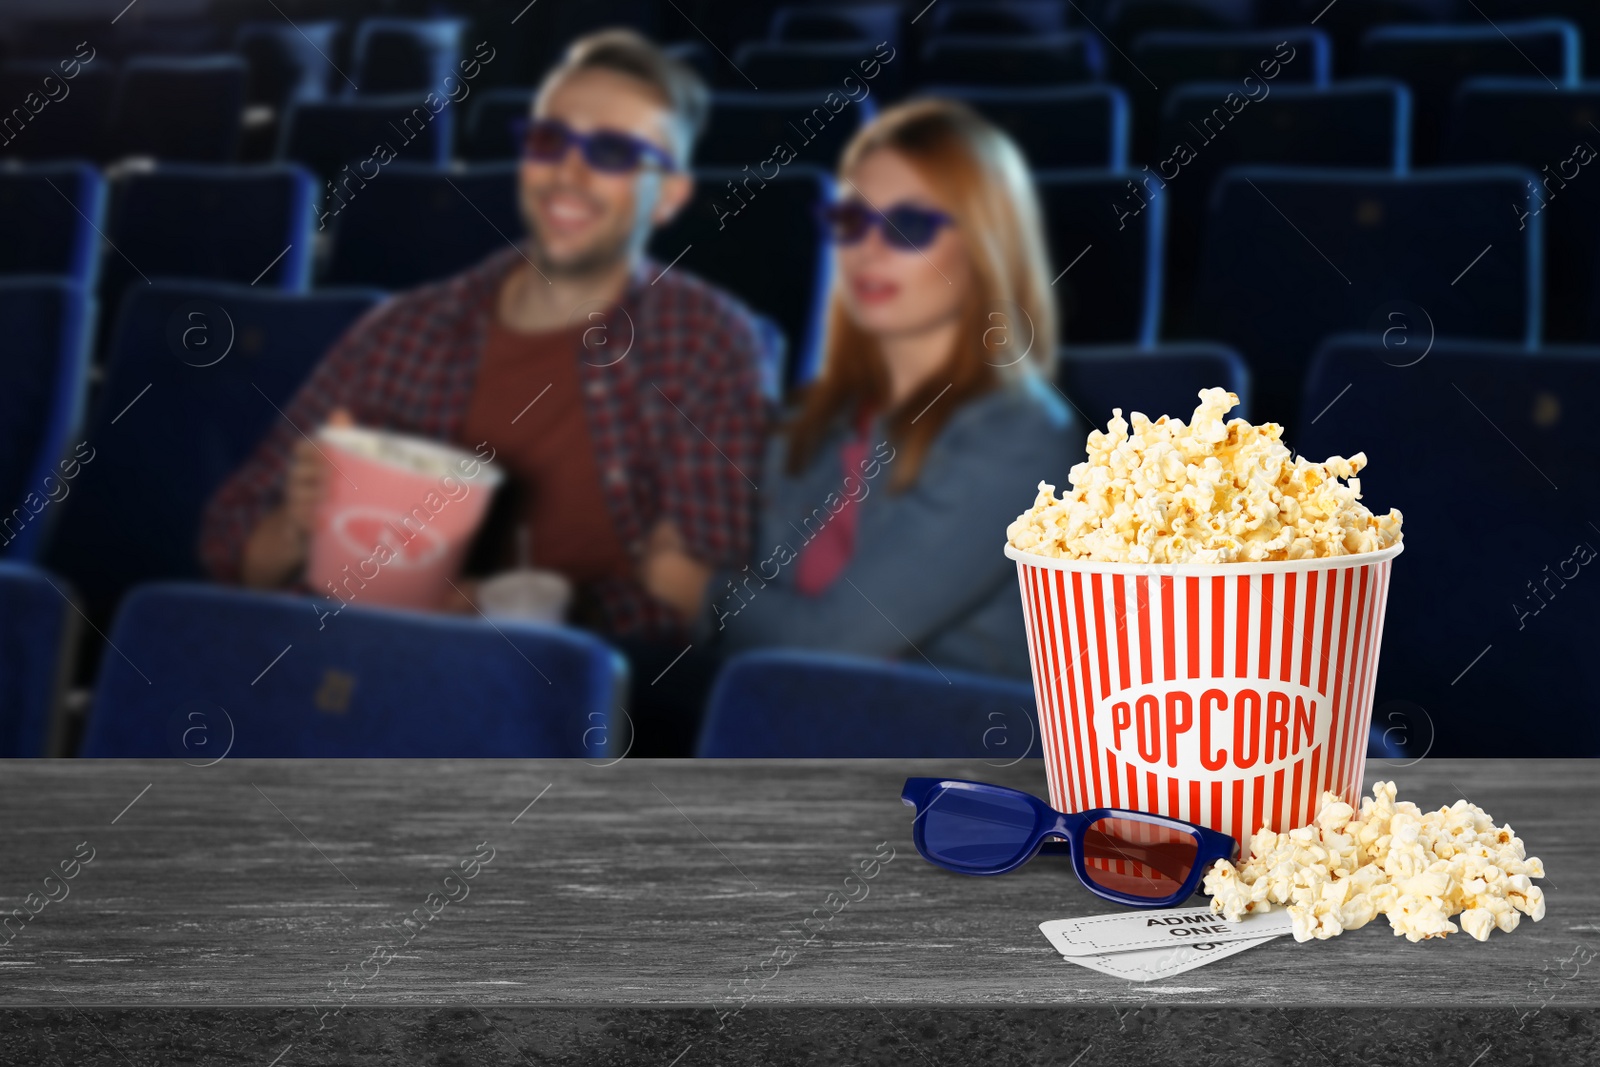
927,581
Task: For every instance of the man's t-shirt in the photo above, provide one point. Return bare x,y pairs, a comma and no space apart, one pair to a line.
528,405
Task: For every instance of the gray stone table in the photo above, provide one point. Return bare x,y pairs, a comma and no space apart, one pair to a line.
652,912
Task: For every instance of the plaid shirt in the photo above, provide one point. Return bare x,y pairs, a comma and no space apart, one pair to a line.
672,390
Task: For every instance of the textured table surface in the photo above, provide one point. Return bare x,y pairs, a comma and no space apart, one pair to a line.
666,883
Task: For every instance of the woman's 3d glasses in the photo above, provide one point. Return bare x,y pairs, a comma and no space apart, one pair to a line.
904,226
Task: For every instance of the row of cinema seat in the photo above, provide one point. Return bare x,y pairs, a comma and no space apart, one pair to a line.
1474,441
203,674
215,108
1277,257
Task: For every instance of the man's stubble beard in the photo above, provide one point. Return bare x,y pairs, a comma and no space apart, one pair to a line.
597,261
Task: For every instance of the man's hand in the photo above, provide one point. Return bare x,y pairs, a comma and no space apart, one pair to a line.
277,547
670,573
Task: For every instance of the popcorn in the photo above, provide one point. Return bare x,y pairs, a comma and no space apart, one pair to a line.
1419,869
1209,492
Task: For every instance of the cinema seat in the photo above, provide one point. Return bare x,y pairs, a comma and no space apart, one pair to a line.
1055,126
1004,18
1163,379
1124,20
197,672
1106,254
1489,644
745,127
868,23
186,109
190,384
52,214
248,224
1172,58
397,55
1581,13
329,135
821,67
769,252
1294,254
486,135
812,705
288,64
37,624
43,380
419,224
1044,59
1352,124
70,126
1526,121
1435,60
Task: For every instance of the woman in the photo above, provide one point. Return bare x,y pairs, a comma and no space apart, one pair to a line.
887,496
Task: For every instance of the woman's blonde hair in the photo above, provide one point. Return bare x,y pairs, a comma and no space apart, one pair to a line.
1008,321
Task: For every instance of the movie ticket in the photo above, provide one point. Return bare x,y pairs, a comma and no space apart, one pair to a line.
1125,931
1149,964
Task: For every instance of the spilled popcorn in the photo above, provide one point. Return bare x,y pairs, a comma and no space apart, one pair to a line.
1418,868
1208,492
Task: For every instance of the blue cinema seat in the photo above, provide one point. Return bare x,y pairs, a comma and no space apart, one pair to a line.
487,132
836,22
1002,18
366,135
288,64
1294,254
1346,21
1171,57
396,55
1435,60
1042,59
1161,380
746,128
726,228
1124,20
1489,452
1056,126
52,214
250,224
805,705
70,123
1583,14
419,224
36,628
178,108
1106,252
1271,59
44,374
1352,124
821,67
190,385
1528,121
276,675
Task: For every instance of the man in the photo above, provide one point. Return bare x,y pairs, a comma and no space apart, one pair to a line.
622,398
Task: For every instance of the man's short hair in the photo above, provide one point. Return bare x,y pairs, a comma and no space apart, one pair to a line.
673,81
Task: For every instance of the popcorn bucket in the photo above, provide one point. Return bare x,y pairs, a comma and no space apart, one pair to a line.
396,518
1227,695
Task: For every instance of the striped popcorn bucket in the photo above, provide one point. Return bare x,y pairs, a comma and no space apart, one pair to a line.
1225,695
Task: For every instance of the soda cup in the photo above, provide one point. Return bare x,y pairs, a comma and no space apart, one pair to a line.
1228,695
396,518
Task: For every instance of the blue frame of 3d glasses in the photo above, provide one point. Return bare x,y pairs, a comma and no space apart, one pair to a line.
1211,845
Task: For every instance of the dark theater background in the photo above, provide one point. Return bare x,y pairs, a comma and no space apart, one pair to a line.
1373,220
